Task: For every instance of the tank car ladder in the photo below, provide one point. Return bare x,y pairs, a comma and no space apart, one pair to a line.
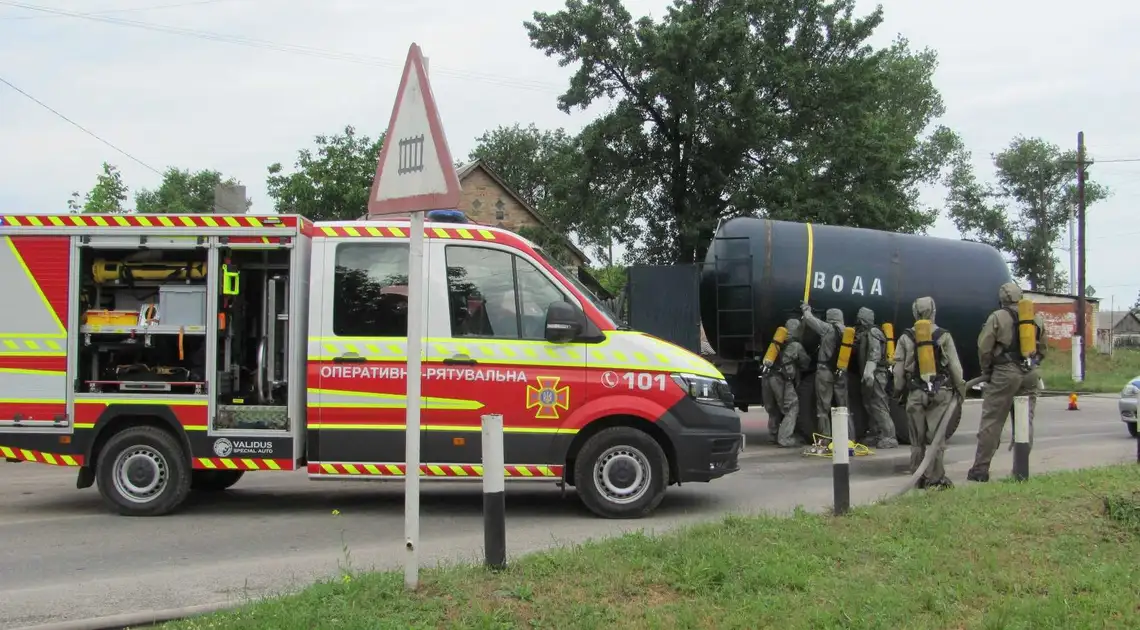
737,287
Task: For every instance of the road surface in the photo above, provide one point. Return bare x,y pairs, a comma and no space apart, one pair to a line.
65,557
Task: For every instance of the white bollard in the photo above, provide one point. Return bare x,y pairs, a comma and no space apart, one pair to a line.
494,493
1021,438
840,458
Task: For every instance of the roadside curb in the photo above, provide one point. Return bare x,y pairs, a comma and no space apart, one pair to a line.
140,619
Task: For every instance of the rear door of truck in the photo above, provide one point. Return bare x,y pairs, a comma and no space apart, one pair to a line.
35,275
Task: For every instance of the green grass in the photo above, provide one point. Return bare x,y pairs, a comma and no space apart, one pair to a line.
1048,553
1102,373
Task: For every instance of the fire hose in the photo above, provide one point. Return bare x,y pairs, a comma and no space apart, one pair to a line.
939,438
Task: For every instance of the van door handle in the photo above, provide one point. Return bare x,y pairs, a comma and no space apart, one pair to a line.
349,357
459,359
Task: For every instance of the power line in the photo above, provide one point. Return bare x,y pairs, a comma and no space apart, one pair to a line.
77,125
122,10
309,51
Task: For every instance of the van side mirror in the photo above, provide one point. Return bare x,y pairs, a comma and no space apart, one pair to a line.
563,322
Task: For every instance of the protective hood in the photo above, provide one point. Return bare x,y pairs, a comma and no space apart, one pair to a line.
865,317
793,326
835,316
1009,294
923,308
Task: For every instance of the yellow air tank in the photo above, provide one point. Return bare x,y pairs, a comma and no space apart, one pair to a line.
104,271
924,336
774,348
1026,327
845,347
889,333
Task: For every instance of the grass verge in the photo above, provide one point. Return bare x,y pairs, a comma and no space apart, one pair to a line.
1049,553
1102,373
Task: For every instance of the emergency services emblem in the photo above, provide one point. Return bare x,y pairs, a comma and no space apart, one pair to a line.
223,447
548,397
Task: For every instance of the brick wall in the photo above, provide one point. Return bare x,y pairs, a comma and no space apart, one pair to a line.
486,202
1061,319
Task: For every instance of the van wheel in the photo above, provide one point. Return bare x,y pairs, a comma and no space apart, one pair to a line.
143,471
214,480
621,472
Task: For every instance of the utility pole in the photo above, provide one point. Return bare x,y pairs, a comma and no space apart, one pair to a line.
1079,334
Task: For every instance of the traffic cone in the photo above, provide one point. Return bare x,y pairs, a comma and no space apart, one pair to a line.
1073,401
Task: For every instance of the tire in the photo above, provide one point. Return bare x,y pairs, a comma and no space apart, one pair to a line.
629,451
161,469
1133,429
214,480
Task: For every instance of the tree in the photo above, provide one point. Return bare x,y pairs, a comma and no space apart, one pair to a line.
1024,214
183,192
107,196
332,183
547,169
532,162
738,107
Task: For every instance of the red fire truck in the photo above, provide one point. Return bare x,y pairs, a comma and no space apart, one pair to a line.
159,354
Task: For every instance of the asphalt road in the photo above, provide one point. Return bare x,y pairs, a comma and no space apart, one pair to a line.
64,557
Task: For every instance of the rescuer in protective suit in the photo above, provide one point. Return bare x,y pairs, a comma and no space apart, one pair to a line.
784,380
830,383
871,345
927,401
999,352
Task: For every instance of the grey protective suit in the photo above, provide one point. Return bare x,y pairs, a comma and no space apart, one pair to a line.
783,383
925,410
829,386
870,346
1009,377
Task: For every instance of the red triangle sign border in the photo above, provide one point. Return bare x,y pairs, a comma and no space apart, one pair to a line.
427,201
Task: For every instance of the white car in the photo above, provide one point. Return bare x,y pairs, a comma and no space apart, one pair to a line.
1127,405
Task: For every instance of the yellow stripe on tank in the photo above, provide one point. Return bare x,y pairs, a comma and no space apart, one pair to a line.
810,255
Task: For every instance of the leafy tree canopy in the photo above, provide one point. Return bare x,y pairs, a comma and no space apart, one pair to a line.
332,181
736,107
184,192
181,192
1025,212
105,197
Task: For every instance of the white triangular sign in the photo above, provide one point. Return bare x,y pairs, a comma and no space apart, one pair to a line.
415,172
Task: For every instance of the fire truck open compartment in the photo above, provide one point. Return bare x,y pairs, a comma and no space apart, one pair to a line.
143,321
253,346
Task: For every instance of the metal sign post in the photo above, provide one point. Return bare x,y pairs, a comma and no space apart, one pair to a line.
417,177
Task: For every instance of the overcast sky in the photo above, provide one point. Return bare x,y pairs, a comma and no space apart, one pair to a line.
1040,68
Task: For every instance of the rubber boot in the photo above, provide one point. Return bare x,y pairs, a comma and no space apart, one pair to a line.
980,476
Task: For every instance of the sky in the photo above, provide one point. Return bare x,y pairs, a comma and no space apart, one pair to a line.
163,81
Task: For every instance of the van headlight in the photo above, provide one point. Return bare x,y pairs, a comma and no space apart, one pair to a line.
704,389
1129,391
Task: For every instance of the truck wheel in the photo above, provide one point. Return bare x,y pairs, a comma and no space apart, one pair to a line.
1133,428
143,471
214,480
621,472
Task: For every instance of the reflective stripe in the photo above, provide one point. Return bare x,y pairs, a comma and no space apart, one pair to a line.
518,471
331,398
138,220
620,350
453,428
384,231
218,463
53,459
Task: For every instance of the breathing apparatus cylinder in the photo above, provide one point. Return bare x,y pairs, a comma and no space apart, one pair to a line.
774,348
847,343
1026,327
924,337
889,333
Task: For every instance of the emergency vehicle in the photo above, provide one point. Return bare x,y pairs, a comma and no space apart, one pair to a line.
159,354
